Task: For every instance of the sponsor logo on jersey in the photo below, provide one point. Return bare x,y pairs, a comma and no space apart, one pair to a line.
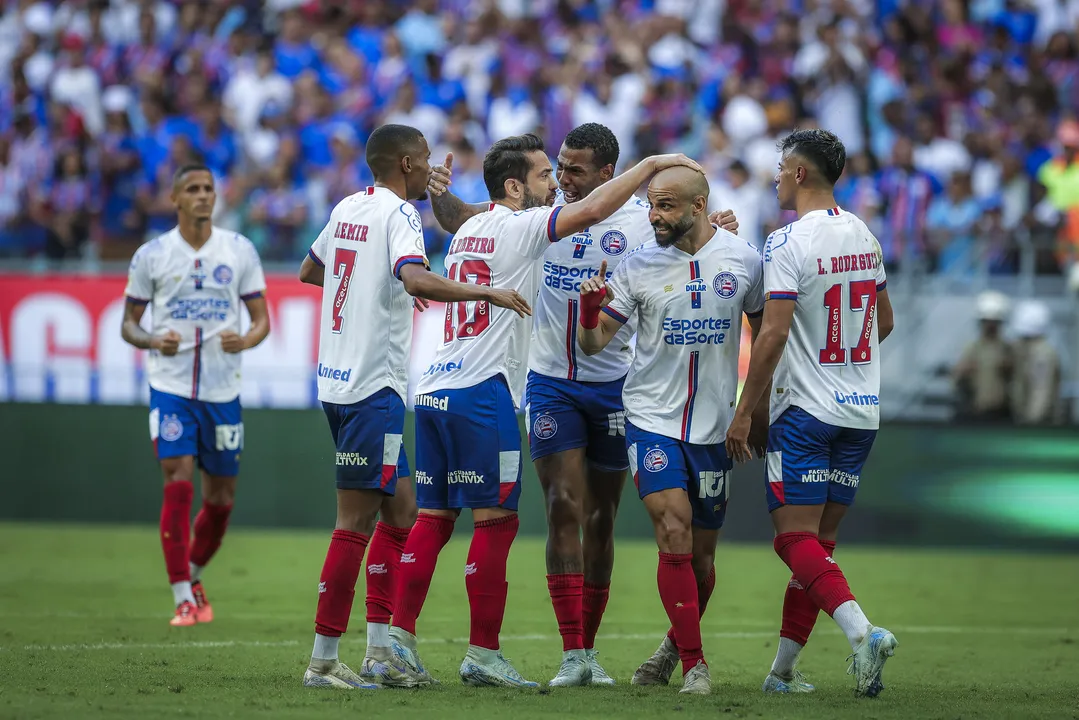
171,428
202,308
613,242
432,402
565,277
379,569
856,398
545,428
696,286
655,460
464,477
817,476
325,371
351,459
695,331
845,478
423,478
448,367
584,238
223,274
725,284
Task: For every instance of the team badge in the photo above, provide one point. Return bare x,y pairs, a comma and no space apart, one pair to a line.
725,284
613,242
171,428
546,427
223,274
655,460
413,220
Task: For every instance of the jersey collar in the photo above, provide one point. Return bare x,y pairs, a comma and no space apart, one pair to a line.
830,212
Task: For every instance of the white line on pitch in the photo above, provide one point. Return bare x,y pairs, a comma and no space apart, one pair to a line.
214,644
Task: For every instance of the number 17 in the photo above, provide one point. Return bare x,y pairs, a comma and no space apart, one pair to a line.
863,298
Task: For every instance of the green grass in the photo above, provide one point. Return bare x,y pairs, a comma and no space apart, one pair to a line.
84,634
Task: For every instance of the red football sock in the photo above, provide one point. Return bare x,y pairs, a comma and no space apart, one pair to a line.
678,591
210,526
704,591
814,570
176,529
485,578
426,540
593,605
337,584
567,593
383,559
799,611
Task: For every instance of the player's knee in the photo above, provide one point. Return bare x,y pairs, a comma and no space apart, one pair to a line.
674,531
177,470
702,565
400,515
220,491
563,510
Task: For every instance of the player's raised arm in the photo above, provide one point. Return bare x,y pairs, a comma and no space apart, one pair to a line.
450,211
422,283
609,197
599,323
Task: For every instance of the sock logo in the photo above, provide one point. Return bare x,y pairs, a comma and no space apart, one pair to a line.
322,587
408,557
379,569
470,569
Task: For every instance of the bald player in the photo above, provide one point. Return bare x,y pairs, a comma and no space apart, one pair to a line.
689,288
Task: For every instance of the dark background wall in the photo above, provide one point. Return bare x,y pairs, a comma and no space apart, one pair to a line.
924,484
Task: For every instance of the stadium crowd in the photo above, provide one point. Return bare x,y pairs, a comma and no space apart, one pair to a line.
958,116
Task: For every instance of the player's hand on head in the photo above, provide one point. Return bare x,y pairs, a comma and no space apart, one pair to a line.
738,439
725,219
167,344
231,342
663,162
511,300
441,176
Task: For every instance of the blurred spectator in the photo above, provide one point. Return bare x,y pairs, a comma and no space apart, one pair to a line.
984,370
1035,388
68,206
921,93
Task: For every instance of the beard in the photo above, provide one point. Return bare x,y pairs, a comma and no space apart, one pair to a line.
532,201
672,233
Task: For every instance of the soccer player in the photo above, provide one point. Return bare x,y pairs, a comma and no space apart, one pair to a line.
574,401
827,311
467,440
194,277
689,289
373,239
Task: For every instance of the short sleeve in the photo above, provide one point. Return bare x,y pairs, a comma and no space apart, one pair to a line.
782,266
253,280
140,280
753,302
405,237
320,249
624,304
535,228
882,277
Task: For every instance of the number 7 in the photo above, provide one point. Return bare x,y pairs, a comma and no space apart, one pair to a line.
863,298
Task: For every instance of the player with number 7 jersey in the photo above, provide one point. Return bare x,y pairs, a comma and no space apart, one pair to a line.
370,262
468,444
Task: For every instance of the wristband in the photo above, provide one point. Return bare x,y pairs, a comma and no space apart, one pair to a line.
590,307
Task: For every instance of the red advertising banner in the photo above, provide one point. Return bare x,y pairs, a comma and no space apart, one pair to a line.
60,342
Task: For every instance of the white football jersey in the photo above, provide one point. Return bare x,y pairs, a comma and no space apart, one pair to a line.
556,314
684,378
365,333
196,293
499,248
832,265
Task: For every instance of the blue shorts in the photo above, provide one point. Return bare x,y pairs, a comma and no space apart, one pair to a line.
468,448
810,462
211,432
567,414
370,455
703,471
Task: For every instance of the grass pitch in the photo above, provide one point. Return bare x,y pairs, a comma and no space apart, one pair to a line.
84,634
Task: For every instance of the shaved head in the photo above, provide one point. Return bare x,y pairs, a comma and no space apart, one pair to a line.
679,199
682,182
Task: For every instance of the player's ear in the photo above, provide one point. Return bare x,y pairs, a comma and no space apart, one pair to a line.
513,188
606,172
700,205
406,164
